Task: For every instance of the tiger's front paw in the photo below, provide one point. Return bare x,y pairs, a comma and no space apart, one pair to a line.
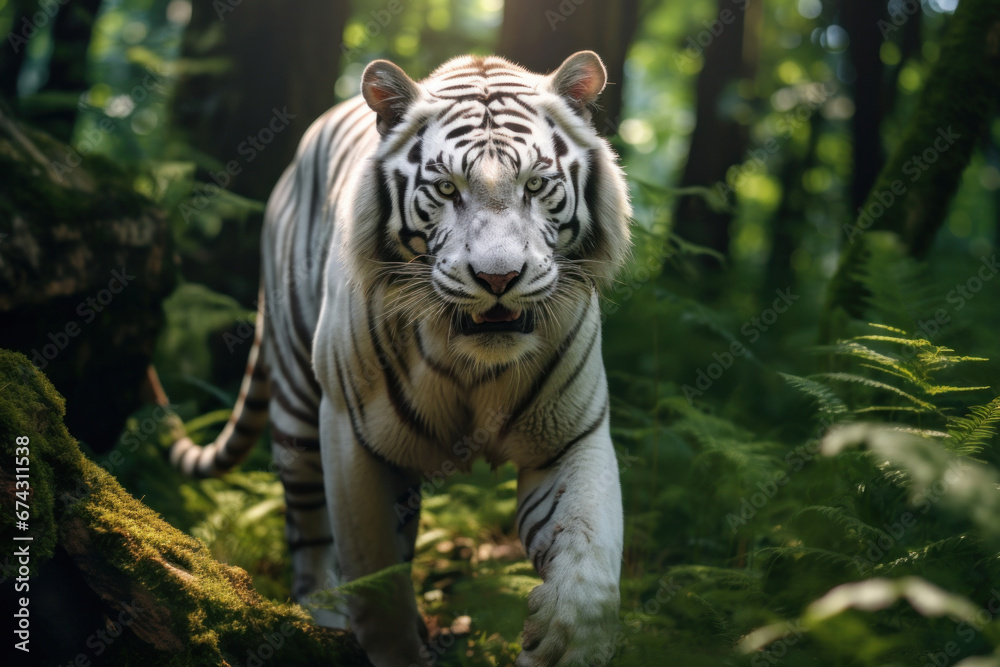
571,624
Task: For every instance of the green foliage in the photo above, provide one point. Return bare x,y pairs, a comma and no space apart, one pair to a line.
748,540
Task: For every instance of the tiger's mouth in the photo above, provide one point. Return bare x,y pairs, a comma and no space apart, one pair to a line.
496,319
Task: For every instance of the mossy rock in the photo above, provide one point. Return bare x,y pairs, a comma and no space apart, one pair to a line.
178,605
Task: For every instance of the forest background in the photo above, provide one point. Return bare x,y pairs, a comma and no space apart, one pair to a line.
802,350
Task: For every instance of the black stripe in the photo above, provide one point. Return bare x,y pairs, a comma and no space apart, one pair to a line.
459,132
415,152
574,222
304,505
582,363
305,544
565,448
400,402
224,459
318,151
490,375
348,133
384,202
245,430
517,127
541,522
300,331
431,363
539,560
289,441
594,235
455,86
293,389
355,426
305,334
256,404
527,499
558,208
543,377
302,488
559,144
507,111
307,416
454,292
529,510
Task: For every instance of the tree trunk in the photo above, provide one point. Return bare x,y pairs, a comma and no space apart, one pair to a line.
787,227
914,190
540,35
862,21
254,76
251,64
14,51
103,565
85,264
53,108
718,141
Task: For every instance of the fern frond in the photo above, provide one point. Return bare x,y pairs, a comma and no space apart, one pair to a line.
935,390
970,434
886,327
864,353
899,340
826,399
889,409
821,555
875,384
840,517
949,546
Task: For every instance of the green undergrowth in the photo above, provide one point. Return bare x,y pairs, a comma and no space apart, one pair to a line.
196,610
811,505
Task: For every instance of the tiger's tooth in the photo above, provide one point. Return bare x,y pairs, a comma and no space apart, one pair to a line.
477,318
516,314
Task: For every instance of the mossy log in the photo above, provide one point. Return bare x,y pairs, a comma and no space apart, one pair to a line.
112,583
85,262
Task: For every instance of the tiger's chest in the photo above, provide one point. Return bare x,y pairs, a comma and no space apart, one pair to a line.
408,405
441,430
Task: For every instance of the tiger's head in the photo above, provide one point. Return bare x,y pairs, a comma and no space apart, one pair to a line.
491,207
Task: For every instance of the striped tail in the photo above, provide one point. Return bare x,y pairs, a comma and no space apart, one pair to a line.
245,424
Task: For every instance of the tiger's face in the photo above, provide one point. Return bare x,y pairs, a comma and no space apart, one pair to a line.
496,206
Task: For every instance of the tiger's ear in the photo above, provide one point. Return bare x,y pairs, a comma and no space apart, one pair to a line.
580,79
388,91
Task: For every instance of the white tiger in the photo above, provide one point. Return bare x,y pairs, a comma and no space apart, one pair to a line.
431,272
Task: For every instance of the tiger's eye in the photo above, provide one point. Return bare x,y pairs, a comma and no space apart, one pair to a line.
535,183
446,188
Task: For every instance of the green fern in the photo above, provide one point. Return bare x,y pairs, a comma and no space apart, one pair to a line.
826,399
970,434
377,586
841,517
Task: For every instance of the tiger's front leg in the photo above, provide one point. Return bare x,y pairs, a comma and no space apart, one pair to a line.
570,522
361,493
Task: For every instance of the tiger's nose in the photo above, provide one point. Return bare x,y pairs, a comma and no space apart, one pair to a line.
496,282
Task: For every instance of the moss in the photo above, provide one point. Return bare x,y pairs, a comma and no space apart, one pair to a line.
31,408
89,189
194,610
